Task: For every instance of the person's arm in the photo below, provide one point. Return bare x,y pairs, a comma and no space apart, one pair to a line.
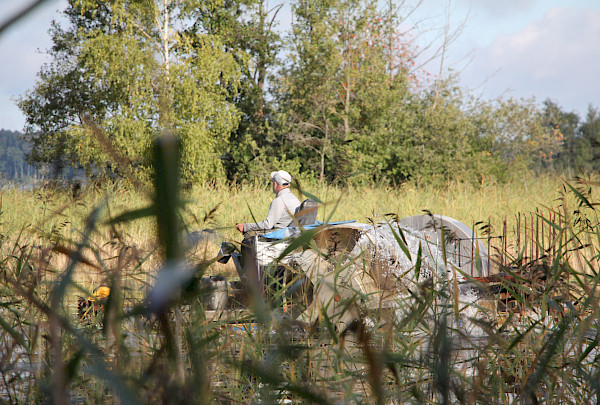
275,211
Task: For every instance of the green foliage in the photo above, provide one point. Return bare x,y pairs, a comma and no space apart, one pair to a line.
337,97
339,86
579,152
433,147
247,31
352,106
512,137
128,66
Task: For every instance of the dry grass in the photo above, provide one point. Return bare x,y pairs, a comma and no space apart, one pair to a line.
179,355
50,210
49,214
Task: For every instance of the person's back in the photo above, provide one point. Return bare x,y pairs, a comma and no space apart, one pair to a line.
282,207
280,212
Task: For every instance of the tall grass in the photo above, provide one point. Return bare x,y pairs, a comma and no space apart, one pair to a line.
153,340
51,210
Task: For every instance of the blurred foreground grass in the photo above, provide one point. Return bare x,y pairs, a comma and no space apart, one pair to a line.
132,349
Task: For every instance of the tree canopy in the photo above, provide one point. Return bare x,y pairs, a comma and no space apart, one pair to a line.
137,69
336,95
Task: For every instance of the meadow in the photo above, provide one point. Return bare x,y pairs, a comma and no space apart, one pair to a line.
56,211
58,244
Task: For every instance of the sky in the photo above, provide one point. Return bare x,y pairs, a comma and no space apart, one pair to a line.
546,49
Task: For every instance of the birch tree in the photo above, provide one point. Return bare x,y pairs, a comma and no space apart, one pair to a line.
248,31
129,67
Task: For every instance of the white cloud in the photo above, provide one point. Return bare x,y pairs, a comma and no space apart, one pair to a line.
556,57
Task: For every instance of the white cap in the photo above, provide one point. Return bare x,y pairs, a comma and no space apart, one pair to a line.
282,177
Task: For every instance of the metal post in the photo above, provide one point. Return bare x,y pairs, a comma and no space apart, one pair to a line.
531,256
537,235
472,247
504,243
518,231
489,244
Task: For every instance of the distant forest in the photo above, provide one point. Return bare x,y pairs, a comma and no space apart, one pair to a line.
13,165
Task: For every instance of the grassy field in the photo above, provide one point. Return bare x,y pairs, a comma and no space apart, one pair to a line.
58,212
49,214
153,341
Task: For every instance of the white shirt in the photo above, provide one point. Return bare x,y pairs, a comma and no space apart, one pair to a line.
284,204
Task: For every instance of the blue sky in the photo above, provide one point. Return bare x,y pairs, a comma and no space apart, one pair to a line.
509,48
523,48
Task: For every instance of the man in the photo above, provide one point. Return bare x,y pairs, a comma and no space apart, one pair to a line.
282,207
280,216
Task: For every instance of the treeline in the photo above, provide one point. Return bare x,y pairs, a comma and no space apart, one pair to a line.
580,148
13,149
338,96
